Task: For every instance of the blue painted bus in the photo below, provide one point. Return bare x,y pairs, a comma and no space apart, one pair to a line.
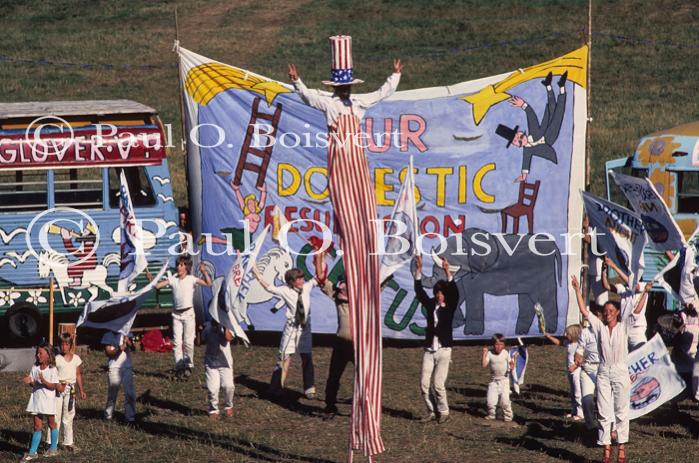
59,207
670,159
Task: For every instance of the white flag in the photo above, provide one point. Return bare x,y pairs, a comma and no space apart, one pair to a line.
219,309
133,257
236,289
654,379
620,234
660,226
118,313
402,230
681,275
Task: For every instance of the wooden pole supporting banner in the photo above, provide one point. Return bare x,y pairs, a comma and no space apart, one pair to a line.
51,311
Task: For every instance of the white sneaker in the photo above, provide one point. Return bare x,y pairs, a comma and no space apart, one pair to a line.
310,393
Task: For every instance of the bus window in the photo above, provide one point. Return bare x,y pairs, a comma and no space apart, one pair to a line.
78,188
139,186
688,192
23,190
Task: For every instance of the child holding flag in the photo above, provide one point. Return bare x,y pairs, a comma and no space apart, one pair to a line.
183,318
498,359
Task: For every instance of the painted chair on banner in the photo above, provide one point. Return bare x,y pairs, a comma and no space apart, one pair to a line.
528,193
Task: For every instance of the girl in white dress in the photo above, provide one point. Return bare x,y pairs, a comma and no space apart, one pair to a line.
43,379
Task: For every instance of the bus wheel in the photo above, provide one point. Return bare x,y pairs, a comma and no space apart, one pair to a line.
23,323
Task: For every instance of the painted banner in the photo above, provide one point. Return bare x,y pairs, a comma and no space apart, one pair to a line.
620,234
654,379
498,162
645,200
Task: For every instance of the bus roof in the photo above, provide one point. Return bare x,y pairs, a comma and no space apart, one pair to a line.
690,129
72,108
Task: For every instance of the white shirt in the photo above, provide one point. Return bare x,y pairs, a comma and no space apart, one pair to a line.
499,364
68,371
637,331
587,346
613,348
572,348
123,360
43,399
691,327
291,297
182,291
436,345
333,106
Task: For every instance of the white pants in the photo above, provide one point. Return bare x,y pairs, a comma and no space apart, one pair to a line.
575,393
613,385
116,377
499,396
64,416
588,381
183,332
217,379
435,368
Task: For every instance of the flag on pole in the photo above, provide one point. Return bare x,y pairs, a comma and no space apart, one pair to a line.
620,234
118,313
402,229
681,275
520,355
220,311
133,257
660,226
236,289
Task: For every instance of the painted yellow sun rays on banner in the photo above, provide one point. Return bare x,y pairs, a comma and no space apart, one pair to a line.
574,62
205,81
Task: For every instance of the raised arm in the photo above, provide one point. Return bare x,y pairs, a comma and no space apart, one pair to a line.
313,98
624,277
554,341
579,297
238,195
642,300
207,278
419,290
387,89
158,285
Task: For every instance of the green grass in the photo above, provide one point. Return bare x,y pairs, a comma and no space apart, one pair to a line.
174,425
638,86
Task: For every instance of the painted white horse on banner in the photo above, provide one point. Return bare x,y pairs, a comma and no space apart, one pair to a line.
93,280
273,265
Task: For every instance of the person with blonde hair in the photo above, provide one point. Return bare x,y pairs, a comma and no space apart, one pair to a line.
69,375
572,334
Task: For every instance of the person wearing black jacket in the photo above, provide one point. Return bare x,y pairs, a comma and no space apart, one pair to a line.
438,341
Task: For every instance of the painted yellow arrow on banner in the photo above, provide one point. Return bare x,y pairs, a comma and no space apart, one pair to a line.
574,62
205,81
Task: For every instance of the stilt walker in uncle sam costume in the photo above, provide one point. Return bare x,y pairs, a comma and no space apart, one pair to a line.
353,199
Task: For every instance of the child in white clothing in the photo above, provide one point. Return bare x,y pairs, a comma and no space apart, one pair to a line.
118,349
69,375
43,379
498,359
218,363
183,317
572,334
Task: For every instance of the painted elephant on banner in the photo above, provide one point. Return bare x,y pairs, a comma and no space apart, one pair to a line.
501,265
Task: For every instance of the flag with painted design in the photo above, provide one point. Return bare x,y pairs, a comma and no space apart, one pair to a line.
620,233
133,256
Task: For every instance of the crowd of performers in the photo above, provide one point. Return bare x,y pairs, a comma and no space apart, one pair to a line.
597,351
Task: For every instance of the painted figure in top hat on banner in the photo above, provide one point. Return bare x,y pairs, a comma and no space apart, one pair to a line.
353,199
539,142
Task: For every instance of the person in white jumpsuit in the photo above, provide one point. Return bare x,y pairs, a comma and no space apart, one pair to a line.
613,381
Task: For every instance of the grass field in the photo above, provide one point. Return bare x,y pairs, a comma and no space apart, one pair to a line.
643,53
174,426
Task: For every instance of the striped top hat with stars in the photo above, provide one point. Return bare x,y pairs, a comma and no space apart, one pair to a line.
341,72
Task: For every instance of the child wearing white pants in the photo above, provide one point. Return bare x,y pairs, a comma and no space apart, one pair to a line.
69,374
498,359
587,362
183,318
572,334
218,363
118,348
